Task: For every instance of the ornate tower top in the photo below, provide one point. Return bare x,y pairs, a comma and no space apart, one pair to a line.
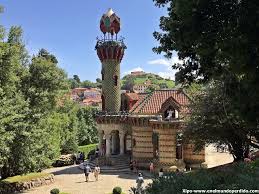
110,23
110,51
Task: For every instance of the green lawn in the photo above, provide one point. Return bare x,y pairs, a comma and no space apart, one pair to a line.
87,148
25,178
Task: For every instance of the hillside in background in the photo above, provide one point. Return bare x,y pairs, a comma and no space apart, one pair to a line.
157,82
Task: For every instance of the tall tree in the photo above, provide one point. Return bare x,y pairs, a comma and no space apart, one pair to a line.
217,40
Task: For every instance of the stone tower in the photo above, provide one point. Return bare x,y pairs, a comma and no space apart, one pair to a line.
110,51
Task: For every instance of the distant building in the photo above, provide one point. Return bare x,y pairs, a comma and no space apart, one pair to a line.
87,96
141,88
136,73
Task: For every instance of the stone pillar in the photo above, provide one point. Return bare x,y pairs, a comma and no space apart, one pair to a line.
108,143
100,136
122,136
113,143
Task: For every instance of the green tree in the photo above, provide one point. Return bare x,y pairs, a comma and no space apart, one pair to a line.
217,40
128,83
210,36
87,131
46,82
77,79
214,121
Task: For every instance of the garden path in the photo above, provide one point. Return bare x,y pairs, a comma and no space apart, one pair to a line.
71,179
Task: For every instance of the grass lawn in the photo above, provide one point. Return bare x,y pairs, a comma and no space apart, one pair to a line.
24,178
87,148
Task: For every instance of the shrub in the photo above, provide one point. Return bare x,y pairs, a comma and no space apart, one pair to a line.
88,148
54,191
236,176
116,190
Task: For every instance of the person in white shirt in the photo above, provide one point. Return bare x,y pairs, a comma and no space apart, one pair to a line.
97,171
161,173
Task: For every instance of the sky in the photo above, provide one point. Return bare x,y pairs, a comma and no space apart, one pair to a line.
68,29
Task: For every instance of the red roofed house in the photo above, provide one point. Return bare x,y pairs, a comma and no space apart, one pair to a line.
152,130
153,126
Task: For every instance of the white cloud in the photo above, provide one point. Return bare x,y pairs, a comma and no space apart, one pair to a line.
167,75
169,72
165,62
134,69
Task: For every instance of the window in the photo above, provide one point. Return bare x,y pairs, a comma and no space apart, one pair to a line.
115,79
169,113
102,72
103,103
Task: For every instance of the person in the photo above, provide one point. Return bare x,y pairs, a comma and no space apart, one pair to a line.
161,173
97,152
103,149
135,168
140,181
96,172
87,171
131,164
81,157
151,167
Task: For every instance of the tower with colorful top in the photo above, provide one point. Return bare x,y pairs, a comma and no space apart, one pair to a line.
110,51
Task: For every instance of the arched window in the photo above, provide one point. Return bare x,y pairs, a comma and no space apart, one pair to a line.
115,79
179,146
102,72
103,103
169,113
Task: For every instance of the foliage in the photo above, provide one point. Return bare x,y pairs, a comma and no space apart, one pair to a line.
237,176
128,81
214,121
151,88
87,148
25,178
75,82
37,122
87,131
116,190
209,36
54,191
217,42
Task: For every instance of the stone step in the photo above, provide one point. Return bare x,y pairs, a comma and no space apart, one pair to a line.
109,169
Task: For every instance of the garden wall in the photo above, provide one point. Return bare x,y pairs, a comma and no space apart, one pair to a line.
8,188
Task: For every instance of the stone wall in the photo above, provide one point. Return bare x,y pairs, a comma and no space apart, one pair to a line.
167,146
142,151
7,188
191,157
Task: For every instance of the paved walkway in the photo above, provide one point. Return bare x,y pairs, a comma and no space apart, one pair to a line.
71,179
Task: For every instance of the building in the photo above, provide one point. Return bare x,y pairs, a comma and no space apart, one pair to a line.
137,73
87,96
152,128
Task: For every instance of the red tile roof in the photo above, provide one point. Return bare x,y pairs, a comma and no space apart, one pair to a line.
132,96
151,103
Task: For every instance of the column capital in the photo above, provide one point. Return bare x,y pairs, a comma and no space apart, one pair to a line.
122,133
107,135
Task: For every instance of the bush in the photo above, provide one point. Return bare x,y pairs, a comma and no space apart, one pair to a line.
54,191
116,190
235,176
87,149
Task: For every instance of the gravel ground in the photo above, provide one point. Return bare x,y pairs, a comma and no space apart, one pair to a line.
71,179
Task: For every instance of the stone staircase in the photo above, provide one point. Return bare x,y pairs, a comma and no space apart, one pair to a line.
112,165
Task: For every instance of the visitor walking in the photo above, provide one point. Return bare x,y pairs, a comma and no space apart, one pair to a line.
131,164
151,167
140,181
97,152
103,149
87,171
97,171
161,173
135,167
